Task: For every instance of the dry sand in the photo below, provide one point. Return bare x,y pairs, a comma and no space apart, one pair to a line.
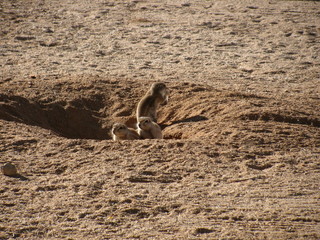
241,154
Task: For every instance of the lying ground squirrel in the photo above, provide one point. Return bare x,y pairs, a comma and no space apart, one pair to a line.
148,128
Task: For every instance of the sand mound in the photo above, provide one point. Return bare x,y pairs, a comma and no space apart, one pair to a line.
87,107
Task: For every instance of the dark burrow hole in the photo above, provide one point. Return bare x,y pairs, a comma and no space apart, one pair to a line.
79,118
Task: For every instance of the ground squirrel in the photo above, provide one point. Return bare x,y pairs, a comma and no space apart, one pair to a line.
122,132
156,95
148,128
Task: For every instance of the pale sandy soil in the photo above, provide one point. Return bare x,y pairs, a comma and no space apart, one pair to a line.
241,154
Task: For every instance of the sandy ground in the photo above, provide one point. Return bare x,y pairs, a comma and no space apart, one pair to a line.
241,154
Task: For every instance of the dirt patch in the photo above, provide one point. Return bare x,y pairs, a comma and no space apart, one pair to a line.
240,158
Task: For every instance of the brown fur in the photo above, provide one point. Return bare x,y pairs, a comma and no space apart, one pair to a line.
122,132
149,129
148,105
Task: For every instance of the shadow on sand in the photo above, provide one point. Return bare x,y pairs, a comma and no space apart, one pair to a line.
197,118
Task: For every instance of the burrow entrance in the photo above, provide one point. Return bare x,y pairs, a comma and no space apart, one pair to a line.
85,110
79,118
78,108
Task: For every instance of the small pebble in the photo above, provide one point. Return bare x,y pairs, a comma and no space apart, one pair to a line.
9,169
